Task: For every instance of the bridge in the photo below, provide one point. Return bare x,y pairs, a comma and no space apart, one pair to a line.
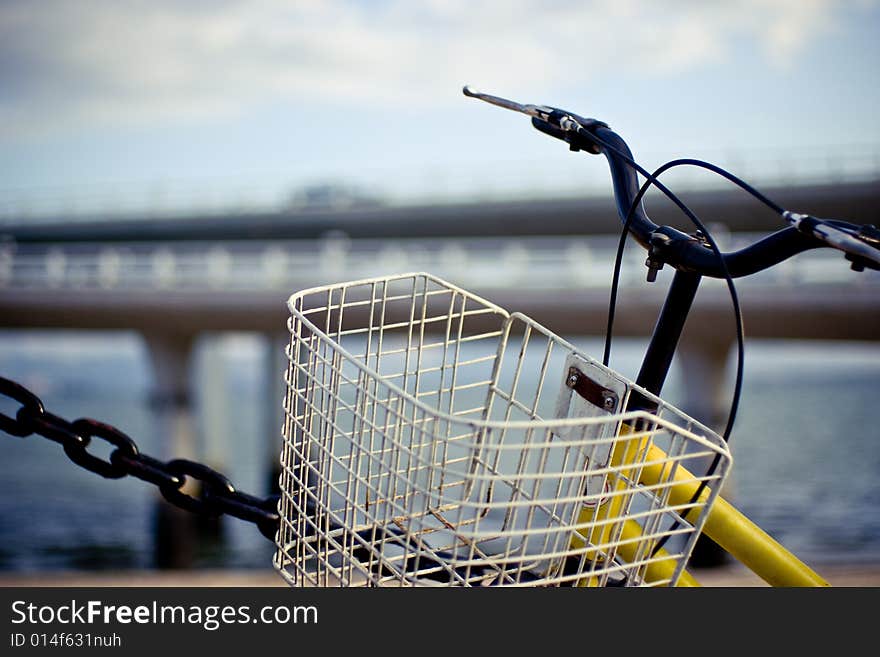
549,259
173,280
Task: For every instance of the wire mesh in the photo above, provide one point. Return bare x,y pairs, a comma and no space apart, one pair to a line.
432,438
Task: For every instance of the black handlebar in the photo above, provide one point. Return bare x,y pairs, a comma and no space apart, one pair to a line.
679,250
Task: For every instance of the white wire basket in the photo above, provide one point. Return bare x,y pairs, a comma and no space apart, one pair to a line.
433,438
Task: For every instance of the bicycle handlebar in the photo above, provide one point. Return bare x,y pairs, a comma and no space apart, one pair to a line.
669,245
679,249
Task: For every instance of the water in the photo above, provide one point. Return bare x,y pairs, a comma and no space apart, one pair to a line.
805,447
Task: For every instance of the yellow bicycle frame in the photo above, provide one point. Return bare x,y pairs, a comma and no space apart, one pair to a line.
725,525
734,532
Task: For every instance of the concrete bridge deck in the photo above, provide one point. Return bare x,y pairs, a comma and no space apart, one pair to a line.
561,282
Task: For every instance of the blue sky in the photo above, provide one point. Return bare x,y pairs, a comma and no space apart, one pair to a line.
223,97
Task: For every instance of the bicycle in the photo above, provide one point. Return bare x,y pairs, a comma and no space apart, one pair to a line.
415,451
411,459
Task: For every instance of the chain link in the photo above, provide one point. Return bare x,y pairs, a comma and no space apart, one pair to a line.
216,495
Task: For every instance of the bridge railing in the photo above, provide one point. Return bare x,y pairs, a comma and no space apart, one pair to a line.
482,263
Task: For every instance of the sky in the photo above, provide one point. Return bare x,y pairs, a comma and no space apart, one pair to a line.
179,100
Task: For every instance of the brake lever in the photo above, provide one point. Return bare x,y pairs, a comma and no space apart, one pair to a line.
537,111
860,248
559,123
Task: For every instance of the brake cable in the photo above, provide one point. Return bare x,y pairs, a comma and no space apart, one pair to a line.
621,244
651,179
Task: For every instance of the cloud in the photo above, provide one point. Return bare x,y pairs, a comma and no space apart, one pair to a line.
66,63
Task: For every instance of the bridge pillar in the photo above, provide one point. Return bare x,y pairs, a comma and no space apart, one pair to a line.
705,385
705,379
177,532
276,388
